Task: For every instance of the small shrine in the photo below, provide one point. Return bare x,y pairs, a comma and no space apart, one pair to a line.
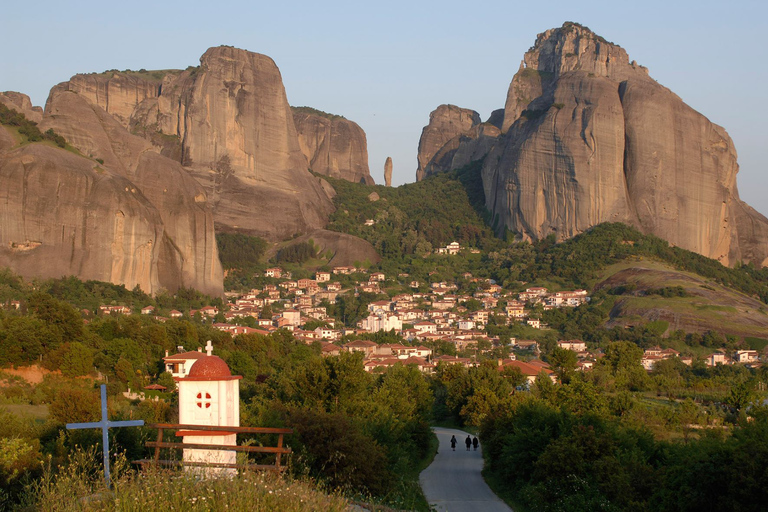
209,395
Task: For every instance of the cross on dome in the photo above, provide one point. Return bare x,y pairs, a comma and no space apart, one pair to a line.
208,347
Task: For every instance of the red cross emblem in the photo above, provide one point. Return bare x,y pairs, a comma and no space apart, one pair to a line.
204,401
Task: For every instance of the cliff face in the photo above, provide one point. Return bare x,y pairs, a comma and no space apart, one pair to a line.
236,135
442,136
332,145
62,214
186,252
588,137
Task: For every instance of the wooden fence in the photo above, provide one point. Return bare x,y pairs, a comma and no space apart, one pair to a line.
160,444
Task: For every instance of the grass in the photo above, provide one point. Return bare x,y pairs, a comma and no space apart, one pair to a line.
498,488
79,486
36,412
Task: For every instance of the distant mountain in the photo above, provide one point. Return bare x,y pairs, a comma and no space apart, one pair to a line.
586,137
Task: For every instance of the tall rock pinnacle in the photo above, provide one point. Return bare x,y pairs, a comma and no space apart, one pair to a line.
388,172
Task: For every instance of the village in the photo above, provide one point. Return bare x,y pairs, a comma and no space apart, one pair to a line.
423,320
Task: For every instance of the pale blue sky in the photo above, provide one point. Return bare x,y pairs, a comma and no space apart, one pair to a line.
387,66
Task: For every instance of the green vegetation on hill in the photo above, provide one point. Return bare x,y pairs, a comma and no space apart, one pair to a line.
28,129
316,112
416,218
153,75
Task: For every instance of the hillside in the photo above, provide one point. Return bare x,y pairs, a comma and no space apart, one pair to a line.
650,291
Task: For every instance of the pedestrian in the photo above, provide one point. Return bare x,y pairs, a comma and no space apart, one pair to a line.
468,442
453,443
475,442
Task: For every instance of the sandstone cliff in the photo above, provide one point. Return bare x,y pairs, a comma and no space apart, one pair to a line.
186,253
332,145
62,214
588,137
442,136
236,133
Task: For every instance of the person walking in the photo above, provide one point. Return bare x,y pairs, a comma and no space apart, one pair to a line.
475,442
468,442
453,443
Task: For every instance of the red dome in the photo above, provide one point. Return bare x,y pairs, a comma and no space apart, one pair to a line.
209,368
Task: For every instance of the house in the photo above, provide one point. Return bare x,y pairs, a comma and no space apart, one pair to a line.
322,277
303,284
119,310
424,327
364,346
745,356
274,272
381,322
450,249
292,316
329,349
528,345
715,359
179,364
530,369
377,276
369,222
466,325
575,345
148,310
463,361
175,314
333,287
534,322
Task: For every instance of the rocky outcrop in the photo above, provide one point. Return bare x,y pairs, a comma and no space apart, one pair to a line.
388,172
117,93
237,137
592,138
586,137
22,104
343,249
442,136
332,145
187,253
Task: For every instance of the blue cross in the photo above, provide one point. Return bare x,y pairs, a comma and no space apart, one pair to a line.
105,424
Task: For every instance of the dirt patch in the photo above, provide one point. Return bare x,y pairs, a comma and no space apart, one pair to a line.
33,374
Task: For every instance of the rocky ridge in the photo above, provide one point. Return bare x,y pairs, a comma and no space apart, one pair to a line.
588,137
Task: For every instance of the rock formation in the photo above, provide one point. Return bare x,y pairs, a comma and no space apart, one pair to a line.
447,123
63,214
332,145
21,103
388,172
343,249
588,137
188,253
229,124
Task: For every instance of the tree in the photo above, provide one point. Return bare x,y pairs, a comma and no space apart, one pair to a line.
563,361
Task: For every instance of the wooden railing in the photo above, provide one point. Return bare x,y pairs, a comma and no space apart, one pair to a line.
160,444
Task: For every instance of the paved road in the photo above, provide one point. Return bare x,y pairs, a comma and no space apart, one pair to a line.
452,483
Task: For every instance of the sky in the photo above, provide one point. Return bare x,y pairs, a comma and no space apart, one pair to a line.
387,65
